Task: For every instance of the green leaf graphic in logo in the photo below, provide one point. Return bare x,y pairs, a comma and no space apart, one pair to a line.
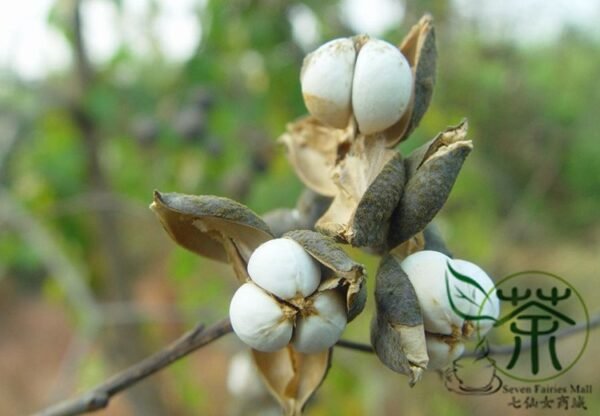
454,280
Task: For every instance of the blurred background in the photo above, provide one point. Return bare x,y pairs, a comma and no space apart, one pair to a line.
103,101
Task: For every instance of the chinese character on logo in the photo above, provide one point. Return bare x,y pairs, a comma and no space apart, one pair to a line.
543,320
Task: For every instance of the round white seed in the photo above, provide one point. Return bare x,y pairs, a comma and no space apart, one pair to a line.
382,86
282,267
326,81
258,319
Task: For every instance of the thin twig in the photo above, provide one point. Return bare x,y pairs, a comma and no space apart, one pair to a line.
356,346
100,397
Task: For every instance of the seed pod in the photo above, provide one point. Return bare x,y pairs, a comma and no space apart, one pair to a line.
369,183
259,320
431,171
321,323
214,227
326,80
338,270
397,332
382,86
283,268
419,49
291,376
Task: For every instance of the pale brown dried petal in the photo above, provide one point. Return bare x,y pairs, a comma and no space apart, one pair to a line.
339,271
313,149
431,171
410,246
214,227
397,331
419,49
369,184
292,377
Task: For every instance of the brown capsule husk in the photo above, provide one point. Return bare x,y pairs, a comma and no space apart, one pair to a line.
397,331
292,377
370,181
419,49
339,271
431,176
314,149
214,227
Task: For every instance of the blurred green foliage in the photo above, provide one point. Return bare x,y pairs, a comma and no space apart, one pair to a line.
208,126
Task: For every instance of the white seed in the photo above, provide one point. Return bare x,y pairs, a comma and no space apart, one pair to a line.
482,307
326,80
382,86
321,329
282,267
243,379
258,319
426,271
442,352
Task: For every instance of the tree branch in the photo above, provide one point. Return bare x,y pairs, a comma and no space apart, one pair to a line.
493,349
356,346
100,397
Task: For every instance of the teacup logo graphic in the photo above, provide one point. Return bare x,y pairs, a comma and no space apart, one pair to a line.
473,375
534,305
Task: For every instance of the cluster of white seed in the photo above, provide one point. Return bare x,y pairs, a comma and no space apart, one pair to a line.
366,78
281,304
371,81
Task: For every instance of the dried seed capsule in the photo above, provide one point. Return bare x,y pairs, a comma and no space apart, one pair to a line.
431,171
382,86
282,267
259,320
322,325
397,332
326,80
